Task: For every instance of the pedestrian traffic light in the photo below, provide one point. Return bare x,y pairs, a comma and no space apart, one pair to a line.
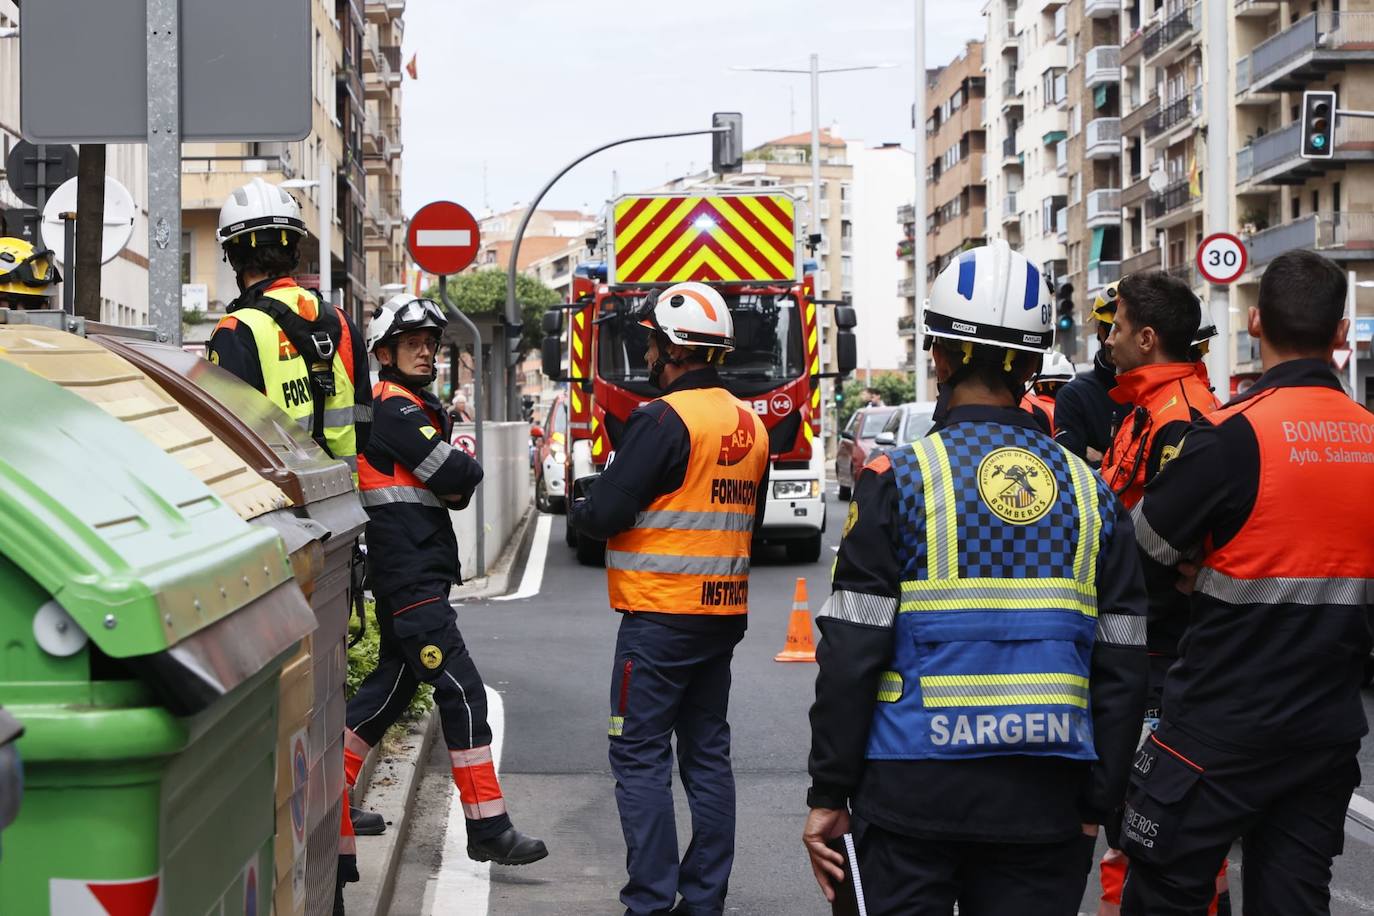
727,146
1318,124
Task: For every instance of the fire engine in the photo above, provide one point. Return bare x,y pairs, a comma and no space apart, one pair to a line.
745,244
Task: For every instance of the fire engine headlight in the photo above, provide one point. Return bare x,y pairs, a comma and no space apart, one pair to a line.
796,489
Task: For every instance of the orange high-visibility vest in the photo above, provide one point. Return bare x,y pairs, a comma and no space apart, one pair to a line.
400,486
688,552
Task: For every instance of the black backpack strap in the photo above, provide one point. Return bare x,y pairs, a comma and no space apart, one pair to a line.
316,341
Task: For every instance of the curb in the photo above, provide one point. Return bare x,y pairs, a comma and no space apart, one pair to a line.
393,797
498,579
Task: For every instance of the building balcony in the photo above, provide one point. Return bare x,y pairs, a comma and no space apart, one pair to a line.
1061,151
1149,259
1262,9
1168,39
1011,96
1171,116
375,86
1138,115
376,11
1102,66
1101,9
1010,157
1275,158
1061,224
1135,192
1339,236
906,213
1174,197
1102,139
1104,208
1050,6
1100,273
1310,49
906,287
1185,272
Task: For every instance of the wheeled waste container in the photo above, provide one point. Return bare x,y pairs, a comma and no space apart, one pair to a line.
146,626
321,530
11,771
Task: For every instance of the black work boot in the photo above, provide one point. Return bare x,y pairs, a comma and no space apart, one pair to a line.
367,823
509,848
338,899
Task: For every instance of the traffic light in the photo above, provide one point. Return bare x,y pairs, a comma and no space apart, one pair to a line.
515,344
1318,124
1064,323
727,147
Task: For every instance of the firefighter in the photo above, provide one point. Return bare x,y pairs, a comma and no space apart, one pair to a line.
1153,329
28,277
1202,344
1055,372
280,338
982,662
678,506
1261,515
409,479
1085,415
1153,340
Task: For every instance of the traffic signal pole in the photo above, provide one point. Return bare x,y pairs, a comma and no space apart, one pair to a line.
1218,192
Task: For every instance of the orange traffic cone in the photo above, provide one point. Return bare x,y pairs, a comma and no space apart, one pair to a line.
799,646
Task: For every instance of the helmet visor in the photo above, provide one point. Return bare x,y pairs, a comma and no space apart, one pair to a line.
419,313
36,270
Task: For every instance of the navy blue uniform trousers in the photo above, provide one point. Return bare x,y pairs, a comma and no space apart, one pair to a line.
669,681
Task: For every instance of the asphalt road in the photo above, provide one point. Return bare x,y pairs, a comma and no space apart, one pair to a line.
549,656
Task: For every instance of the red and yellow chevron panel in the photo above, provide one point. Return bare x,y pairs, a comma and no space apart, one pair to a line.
723,239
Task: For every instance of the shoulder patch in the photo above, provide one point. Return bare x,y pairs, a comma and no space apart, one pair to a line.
851,519
1170,452
227,323
429,431
880,465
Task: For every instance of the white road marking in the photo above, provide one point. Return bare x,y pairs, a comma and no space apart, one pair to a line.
533,577
462,885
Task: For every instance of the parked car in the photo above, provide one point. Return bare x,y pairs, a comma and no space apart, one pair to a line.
856,440
551,447
909,423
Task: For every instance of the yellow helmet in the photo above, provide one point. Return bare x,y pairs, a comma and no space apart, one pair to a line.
1104,306
27,275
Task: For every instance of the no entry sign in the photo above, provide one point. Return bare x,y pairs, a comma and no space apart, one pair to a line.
443,238
1221,258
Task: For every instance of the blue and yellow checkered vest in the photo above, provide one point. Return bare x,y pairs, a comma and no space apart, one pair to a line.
998,611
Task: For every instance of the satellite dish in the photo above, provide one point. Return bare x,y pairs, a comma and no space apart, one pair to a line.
119,220
1158,181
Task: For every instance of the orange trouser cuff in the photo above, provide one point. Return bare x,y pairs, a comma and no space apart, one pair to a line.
478,788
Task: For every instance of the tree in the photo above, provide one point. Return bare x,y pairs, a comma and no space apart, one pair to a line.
895,387
483,293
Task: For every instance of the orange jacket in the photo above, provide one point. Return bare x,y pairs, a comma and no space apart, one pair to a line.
1166,397
688,552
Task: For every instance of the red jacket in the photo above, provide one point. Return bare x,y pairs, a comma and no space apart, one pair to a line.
1166,397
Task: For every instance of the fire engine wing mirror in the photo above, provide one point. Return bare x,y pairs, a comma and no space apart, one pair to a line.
845,317
846,352
551,351
553,322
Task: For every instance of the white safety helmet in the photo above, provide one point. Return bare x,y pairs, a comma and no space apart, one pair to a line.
260,206
1057,368
991,295
691,315
400,314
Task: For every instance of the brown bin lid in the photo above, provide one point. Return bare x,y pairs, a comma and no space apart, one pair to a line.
262,434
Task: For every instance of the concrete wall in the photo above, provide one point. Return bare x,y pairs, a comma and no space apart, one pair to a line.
505,488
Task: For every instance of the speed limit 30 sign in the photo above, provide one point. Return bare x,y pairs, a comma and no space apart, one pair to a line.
1221,258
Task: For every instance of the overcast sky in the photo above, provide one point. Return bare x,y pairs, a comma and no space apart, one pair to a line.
520,87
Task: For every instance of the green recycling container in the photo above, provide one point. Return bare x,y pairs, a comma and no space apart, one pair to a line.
145,625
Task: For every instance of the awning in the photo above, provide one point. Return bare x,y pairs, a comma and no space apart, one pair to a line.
1100,96
1053,136
1096,252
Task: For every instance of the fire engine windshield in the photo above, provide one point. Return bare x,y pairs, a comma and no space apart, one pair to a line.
768,345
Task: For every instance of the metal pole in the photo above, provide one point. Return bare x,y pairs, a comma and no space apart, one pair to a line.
816,148
513,310
42,193
324,168
69,281
1352,337
918,222
476,416
1217,203
164,170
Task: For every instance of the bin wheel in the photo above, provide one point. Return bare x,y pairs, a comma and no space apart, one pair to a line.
591,552
806,550
541,495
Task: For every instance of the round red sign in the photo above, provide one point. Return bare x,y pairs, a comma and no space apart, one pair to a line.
443,237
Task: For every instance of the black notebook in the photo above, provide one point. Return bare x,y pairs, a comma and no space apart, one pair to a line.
849,894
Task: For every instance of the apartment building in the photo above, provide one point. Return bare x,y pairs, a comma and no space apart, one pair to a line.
355,87
1089,158
384,223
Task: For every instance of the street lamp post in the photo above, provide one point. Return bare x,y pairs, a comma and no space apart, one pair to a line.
918,235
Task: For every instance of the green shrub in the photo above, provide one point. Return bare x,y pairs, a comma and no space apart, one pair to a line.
362,659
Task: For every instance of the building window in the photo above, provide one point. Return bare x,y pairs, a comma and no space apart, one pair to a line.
186,257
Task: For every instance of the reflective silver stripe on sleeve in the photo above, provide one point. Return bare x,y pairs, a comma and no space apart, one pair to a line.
1280,590
433,461
1151,541
858,607
696,521
1121,629
340,416
384,496
673,563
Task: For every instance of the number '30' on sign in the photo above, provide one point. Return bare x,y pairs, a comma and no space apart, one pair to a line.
1221,258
